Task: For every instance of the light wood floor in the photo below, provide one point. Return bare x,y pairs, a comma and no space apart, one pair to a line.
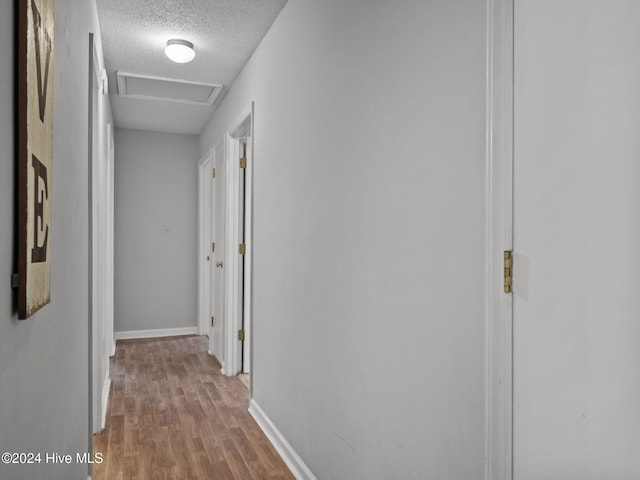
173,416
245,378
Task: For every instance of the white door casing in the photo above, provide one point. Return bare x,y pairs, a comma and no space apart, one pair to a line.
100,240
111,342
244,260
248,257
240,129
499,229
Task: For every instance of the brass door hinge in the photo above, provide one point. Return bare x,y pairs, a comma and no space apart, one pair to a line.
243,163
241,335
213,321
213,173
213,246
242,248
508,271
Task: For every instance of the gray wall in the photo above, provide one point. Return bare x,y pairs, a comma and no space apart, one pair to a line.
369,238
156,196
44,389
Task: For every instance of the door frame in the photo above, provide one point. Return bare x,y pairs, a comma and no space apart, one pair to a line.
248,258
100,242
499,238
206,282
110,338
232,307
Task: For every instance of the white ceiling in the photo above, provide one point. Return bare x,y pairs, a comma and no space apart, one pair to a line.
225,33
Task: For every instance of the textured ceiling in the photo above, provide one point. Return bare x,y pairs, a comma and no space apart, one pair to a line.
225,33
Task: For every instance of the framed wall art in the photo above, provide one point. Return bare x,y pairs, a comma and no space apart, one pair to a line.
35,64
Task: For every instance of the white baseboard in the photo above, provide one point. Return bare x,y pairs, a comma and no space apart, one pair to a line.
160,332
284,448
106,387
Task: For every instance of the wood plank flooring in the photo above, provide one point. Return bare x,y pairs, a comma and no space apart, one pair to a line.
245,378
173,416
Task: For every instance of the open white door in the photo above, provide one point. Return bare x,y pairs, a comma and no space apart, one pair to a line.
576,236
100,278
246,224
205,239
244,260
216,338
236,264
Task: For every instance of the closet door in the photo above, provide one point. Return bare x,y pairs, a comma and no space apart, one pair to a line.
576,240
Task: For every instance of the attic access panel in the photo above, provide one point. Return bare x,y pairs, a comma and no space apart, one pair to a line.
146,87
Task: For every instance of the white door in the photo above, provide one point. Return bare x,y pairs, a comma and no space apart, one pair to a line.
217,332
98,253
205,239
576,238
246,260
243,322
210,264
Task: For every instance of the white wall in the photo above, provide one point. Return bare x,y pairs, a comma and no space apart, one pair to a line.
156,211
369,340
44,368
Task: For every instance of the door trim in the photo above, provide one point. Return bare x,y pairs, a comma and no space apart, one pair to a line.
499,237
99,245
205,236
111,347
248,258
233,348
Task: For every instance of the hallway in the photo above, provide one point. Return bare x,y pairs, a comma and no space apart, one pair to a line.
442,240
173,415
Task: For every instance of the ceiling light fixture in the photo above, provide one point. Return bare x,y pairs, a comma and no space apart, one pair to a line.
180,51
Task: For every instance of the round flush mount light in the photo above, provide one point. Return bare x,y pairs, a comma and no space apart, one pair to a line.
180,51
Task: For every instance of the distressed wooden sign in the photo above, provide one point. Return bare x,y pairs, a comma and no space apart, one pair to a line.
35,63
